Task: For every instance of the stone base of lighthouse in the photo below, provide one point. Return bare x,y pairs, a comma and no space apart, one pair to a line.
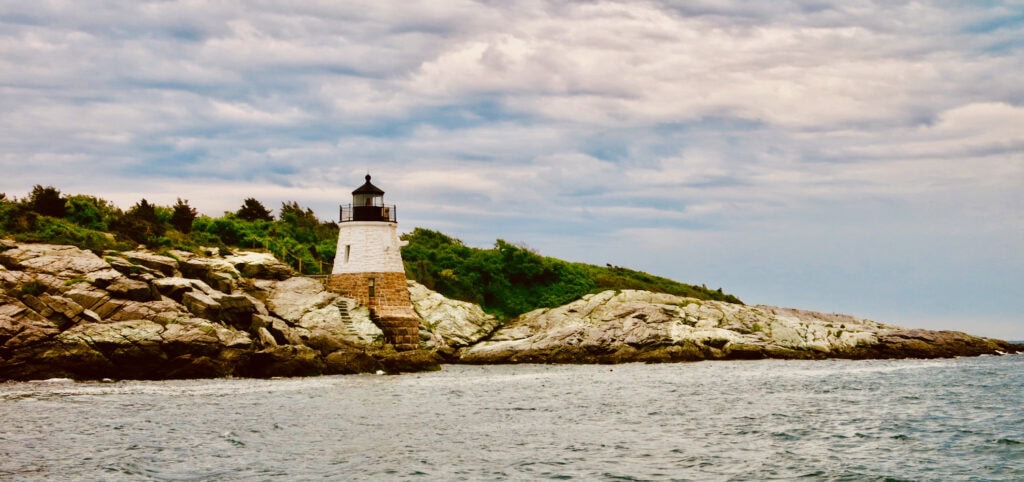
387,297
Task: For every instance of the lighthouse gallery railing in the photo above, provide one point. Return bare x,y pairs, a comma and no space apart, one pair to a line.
368,213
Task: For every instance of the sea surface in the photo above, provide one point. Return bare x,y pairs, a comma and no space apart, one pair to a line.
957,419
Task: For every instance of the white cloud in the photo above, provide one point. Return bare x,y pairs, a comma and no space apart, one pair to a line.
696,129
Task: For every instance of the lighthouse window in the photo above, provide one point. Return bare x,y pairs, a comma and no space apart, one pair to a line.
348,250
372,294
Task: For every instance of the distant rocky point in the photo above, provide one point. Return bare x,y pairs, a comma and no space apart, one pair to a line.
68,312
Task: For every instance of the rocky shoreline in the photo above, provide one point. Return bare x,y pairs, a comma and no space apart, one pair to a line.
67,312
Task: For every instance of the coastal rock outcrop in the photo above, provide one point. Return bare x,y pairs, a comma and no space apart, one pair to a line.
627,326
68,312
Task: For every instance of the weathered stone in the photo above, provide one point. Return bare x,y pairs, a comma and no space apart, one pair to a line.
38,306
323,319
201,305
235,310
57,260
350,362
62,305
103,278
658,327
292,298
411,361
164,265
109,308
28,333
87,296
266,339
285,361
259,265
456,323
125,267
130,289
215,272
159,335
191,336
283,334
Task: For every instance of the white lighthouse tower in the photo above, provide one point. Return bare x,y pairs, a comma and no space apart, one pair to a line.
368,265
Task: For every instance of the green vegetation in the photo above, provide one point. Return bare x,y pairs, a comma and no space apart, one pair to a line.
45,216
508,280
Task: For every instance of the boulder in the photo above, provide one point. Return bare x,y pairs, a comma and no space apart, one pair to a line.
123,266
57,260
215,272
251,264
292,298
266,339
235,310
176,287
164,265
343,362
201,305
411,361
285,361
325,320
455,323
278,328
129,289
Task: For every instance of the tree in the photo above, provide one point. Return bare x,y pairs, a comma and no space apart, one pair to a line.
47,201
140,224
300,223
183,216
253,210
91,212
144,211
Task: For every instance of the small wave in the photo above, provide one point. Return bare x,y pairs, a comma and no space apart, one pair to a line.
1008,441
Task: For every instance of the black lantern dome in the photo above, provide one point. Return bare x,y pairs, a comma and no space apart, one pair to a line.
368,205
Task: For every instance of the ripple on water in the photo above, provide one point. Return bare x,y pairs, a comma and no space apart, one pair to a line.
838,420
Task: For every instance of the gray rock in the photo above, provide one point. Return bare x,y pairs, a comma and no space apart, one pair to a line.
283,334
215,272
324,319
130,289
175,287
253,264
235,310
449,322
164,265
266,339
201,305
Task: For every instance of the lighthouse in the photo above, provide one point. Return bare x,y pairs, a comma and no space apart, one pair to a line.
368,265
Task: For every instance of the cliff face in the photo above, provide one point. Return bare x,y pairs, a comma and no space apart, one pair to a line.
613,327
66,312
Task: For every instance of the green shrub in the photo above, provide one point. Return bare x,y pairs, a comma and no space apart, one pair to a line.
60,231
33,287
91,212
47,201
508,280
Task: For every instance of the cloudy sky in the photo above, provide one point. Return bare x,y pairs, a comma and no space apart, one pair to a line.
844,156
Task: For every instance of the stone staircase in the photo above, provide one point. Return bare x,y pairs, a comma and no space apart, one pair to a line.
346,317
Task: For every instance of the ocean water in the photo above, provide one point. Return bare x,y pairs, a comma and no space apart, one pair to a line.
957,419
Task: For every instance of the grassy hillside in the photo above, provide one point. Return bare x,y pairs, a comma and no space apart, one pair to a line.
506,280
509,280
